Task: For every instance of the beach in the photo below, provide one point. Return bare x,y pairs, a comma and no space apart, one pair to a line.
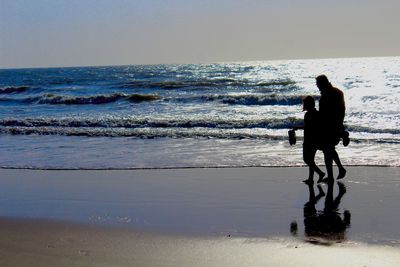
42,243
194,217
182,133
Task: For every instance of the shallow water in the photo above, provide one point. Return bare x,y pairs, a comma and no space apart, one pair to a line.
66,152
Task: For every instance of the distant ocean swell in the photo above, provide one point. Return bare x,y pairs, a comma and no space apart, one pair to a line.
201,83
13,90
170,84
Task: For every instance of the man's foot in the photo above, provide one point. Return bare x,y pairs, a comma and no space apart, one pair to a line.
346,139
308,181
321,177
342,173
328,180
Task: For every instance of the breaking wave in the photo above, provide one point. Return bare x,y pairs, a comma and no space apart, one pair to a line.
150,123
145,133
53,99
362,129
248,99
185,128
261,100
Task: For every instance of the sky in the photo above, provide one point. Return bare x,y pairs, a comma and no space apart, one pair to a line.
53,33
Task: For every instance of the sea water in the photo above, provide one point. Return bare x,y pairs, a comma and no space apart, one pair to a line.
193,115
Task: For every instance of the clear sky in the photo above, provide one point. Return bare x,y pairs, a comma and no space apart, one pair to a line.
42,33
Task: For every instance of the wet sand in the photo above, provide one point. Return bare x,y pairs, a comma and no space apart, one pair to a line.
197,217
46,243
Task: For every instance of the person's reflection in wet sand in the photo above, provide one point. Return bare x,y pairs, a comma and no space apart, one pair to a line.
311,220
326,226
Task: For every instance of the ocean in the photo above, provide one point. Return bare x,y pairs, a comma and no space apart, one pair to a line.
192,115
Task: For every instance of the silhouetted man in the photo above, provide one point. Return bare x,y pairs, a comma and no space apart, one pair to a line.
332,110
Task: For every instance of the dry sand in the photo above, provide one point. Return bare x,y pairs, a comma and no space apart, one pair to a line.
191,217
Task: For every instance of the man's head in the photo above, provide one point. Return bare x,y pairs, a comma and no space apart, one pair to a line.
308,103
323,82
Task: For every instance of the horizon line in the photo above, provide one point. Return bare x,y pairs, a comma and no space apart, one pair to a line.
193,63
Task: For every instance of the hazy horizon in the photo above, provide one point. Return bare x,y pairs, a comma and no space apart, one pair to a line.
199,63
58,33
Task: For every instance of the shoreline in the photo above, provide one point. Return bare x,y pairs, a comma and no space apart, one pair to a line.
189,167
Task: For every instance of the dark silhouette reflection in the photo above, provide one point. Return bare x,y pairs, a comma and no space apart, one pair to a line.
325,226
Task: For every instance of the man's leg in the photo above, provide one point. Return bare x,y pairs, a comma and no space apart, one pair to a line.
328,157
342,170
